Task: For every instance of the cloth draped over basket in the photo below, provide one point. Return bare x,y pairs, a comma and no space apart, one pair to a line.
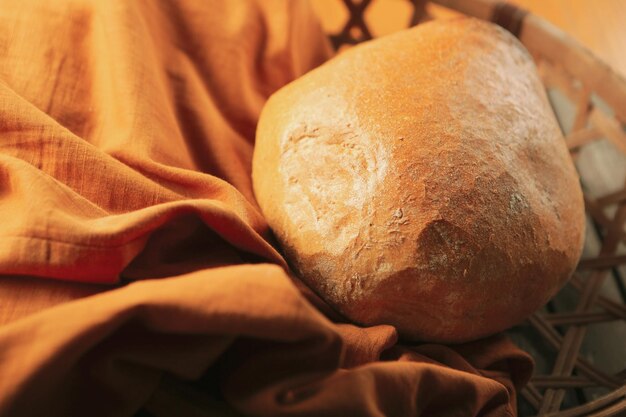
131,247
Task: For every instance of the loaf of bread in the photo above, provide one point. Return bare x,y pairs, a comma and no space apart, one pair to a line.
421,180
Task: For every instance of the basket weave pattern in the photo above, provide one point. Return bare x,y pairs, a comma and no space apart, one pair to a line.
596,97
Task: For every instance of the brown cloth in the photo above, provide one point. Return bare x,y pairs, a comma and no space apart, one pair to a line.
131,247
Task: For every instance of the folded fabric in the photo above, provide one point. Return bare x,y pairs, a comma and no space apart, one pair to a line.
131,246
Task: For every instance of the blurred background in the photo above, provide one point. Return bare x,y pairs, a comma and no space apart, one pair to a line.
600,25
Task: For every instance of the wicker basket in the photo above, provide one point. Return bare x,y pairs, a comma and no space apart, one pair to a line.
579,339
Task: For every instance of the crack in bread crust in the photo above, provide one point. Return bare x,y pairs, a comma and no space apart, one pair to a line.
421,180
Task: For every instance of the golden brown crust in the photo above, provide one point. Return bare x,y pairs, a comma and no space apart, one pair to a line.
421,180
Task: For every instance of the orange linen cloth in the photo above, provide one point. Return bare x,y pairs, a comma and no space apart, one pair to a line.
131,247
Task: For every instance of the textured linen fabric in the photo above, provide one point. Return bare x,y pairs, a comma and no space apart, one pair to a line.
132,250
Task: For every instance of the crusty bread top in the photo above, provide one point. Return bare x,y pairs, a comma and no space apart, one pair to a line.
422,180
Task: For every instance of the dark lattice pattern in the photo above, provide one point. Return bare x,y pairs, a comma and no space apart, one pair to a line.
356,30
